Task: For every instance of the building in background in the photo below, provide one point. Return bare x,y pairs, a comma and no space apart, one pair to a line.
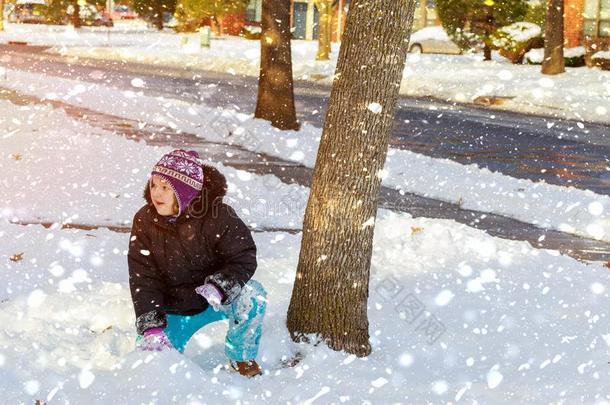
305,19
587,23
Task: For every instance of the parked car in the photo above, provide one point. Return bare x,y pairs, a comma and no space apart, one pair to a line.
169,21
89,15
433,40
104,20
123,12
8,9
29,12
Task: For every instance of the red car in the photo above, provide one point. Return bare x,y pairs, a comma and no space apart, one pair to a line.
123,12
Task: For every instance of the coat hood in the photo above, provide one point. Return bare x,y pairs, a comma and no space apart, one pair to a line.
214,189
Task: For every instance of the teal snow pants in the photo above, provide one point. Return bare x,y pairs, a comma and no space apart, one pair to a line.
245,315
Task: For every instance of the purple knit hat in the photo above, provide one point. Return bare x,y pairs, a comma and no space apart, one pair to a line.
182,170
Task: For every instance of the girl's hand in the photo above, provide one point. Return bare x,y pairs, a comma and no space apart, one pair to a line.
153,340
211,294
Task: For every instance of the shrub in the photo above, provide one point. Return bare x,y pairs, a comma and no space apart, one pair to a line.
469,22
572,57
515,40
601,59
536,13
251,32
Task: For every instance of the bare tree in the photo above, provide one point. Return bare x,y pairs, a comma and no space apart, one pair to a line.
76,22
331,287
553,62
1,15
325,8
422,13
275,101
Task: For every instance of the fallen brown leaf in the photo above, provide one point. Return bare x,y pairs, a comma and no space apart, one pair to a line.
416,230
16,257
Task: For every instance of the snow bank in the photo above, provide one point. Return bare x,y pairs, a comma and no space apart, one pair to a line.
513,324
522,31
577,94
601,55
455,314
574,52
437,33
75,173
580,212
537,55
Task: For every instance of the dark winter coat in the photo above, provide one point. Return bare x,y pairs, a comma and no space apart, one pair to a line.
168,260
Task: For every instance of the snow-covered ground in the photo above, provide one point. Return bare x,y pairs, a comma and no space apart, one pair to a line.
513,324
570,210
45,143
580,93
456,316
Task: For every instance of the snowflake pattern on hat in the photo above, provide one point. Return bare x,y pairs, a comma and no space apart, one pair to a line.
182,162
188,168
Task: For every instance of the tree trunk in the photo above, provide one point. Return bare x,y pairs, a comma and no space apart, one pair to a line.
1,15
489,29
553,39
158,16
330,293
76,16
423,14
220,19
486,52
325,8
275,101
216,25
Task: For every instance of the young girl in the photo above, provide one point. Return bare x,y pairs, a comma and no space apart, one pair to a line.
191,260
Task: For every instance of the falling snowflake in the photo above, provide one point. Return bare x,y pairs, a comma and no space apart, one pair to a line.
375,108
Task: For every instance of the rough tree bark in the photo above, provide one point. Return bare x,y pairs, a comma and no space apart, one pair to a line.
76,22
158,15
422,12
553,62
489,28
331,287
275,100
1,15
325,8
218,24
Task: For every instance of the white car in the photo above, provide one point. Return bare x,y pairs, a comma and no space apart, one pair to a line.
432,40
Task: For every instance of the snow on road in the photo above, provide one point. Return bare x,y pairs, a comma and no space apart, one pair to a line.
580,93
567,209
455,314
80,174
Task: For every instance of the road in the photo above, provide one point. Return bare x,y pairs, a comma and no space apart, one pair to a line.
239,91
562,152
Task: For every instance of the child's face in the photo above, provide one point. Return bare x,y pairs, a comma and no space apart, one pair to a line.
163,196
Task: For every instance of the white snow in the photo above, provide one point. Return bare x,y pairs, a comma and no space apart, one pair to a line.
454,314
522,31
537,55
436,33
375,108
601,55
78,346
546,205
63,186
460,78
574,52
